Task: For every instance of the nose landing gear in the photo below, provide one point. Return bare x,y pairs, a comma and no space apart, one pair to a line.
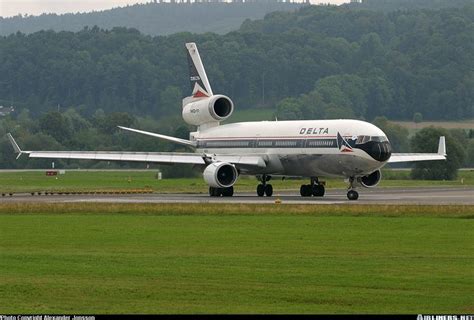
264,188
316,188
352,194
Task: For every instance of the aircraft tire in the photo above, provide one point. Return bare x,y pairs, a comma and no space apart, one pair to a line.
260,190
228,192
305,190
318,190
352,195
215,192
268,190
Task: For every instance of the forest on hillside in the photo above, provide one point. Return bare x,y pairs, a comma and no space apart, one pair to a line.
71,89
396,5
318,62
155,18
151,18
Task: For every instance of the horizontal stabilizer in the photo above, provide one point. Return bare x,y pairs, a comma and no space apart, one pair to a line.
162,136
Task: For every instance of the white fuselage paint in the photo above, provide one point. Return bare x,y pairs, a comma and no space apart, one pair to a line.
291,152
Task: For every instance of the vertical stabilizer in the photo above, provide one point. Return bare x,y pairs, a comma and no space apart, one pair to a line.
197,75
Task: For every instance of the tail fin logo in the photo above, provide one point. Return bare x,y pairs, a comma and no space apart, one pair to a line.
342,144
199,92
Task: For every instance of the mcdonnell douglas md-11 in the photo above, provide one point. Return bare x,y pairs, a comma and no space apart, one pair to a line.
352,149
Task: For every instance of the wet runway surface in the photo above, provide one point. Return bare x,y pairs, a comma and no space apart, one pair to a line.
435,195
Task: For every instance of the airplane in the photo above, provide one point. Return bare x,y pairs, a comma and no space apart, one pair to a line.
352,149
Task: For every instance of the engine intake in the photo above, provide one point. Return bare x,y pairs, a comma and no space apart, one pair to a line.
370,180
220,175
212,109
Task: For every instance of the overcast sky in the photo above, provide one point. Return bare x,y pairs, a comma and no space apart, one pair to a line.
10,8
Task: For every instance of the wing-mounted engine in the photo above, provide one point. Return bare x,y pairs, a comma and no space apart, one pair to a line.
220,175
371,180
208,110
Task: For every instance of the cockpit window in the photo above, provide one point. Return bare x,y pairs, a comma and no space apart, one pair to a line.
365,139
362,139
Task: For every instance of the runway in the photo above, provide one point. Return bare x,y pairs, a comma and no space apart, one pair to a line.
435,195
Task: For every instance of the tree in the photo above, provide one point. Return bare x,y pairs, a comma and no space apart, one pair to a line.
288,109
397,135
54,124
108,123
470,154
426,140
417,117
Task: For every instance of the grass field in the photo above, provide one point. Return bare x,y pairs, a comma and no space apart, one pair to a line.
413,127
132,180
102,258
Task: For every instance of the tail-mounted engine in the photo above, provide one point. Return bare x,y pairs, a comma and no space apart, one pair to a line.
220,175
370,180
213,109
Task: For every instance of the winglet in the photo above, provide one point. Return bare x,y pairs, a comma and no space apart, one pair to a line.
15,146
442,146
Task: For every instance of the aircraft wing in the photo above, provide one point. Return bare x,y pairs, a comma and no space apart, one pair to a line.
410,157
248,161
148,157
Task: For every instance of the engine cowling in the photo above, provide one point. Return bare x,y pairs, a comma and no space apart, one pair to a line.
215,108
220,175
371,180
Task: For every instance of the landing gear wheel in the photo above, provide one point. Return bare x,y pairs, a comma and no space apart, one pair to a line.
318,190
228,192
260,190
215,192
268,190
352,195
305,190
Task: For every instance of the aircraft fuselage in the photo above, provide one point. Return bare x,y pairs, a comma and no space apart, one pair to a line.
301,148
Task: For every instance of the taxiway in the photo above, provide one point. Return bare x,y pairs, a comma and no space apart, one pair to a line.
428,196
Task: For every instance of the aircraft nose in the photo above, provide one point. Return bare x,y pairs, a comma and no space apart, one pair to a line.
378,150
381,151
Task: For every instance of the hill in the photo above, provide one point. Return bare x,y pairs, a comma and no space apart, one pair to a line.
152,18
318,62
395,5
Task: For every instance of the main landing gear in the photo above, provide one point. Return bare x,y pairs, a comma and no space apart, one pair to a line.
316,189
352,194
225,192
264,188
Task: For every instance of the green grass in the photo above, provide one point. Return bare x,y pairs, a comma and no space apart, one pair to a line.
98,258
131,180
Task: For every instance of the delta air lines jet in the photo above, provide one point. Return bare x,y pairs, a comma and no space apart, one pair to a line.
351,149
